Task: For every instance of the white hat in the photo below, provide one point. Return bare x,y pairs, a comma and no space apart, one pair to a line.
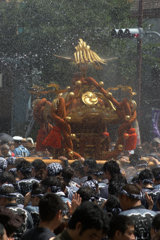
17,138
29,139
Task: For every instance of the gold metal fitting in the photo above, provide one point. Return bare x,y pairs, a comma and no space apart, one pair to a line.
109,94
68,87
78,83
68,118
120,147
71,94
127,117
71,153
101,83
126,135
73,135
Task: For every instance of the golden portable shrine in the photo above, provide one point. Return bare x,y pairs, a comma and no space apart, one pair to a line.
75,122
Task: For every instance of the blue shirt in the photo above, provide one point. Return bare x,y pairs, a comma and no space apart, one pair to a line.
21,151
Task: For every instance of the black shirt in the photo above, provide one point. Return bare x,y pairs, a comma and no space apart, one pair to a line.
38,233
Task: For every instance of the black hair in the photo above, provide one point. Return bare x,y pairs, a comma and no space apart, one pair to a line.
135,180
2,230
119,223
38,164
87,193
55,183
146,176
115,185
7,177
25,168
49,206
5,146
8,191
90,216
112,205
112,167
77,166
18,160
10,220
91,163
156,173
156,222
36,190
133,191
67,174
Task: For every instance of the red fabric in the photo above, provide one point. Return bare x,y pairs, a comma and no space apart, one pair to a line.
130,137
12,154
40,137
54,138
106,134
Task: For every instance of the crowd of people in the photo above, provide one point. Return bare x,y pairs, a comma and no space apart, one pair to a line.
82,200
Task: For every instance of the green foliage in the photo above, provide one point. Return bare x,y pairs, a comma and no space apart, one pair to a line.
54,27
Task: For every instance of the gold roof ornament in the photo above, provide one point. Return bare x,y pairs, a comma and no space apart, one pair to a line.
84,56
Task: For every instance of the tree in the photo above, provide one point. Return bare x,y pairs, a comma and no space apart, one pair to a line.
45,28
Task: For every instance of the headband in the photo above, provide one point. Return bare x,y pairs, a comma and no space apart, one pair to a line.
131,195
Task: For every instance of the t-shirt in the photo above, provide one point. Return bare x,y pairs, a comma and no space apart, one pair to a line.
142,219
38,233
27,220
21,151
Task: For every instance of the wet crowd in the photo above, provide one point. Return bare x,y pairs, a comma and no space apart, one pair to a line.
84,200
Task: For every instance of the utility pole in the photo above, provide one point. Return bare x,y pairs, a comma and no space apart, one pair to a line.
139,59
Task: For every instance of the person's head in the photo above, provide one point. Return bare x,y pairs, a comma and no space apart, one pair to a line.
11,222
7,177
36,194
11,145
112,205
7,194
10,162
156,175
28,143
54,169
78,168
3,164
52,184
3,234
91,183
87,194
121,228
88,222
90,165
39,169
146,178
130,196
5,150
155,226
67,174
18,140
64,161
24,169
50,209
115,184
111,168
